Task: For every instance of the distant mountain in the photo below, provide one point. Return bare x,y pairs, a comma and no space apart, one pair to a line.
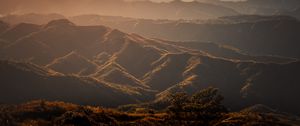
253,34
3,26
249,33
145,9
32,18
55,39
230,52
178,10
20,30
294,13
259,7
25,81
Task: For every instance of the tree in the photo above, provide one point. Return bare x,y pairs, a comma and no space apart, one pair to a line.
210,99
178,101
204,105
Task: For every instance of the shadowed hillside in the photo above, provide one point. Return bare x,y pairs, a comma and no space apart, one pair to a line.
73,63
18,31
33,82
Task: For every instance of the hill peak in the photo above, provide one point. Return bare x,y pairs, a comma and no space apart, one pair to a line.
60,22
259,108
116,34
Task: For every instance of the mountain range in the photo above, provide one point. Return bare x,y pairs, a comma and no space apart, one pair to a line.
136,9
258,7
99,65
253,34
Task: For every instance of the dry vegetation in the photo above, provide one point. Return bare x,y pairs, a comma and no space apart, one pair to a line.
202,108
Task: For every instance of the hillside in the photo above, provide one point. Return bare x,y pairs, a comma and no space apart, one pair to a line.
230,52
33,82
55,39
115,73
73,63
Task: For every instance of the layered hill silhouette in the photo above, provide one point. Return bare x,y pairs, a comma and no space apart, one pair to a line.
146,9
254,34
122,68
259,7
32,18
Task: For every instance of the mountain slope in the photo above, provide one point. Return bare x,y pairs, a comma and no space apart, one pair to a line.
245,82
20,30
229,52
113,72
73,63
137,58
24,81
56,39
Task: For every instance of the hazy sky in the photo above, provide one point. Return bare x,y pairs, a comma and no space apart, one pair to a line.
60,6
